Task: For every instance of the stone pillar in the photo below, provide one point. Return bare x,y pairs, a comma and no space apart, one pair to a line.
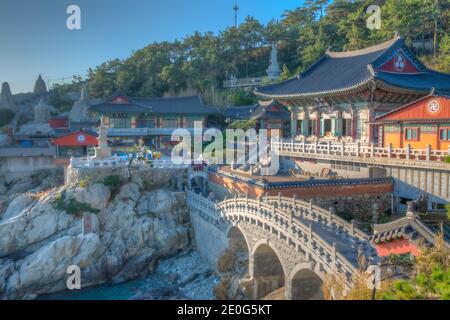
428,152
408,151
389,150
294,123
375,212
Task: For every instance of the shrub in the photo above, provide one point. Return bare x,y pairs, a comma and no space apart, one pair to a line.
6,116
72,206
84,182
113,182
76,208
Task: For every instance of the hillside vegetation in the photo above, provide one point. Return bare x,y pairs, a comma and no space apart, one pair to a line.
200,62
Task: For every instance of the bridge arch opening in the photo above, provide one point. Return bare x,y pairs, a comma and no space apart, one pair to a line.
268,272
235,258
306,285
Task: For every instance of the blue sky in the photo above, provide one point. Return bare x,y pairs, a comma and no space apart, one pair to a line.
34,38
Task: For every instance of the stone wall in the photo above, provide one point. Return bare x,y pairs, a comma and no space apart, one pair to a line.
151,177
25,164
210,242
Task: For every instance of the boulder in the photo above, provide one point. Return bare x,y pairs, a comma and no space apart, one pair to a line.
17,206
46,269
96,195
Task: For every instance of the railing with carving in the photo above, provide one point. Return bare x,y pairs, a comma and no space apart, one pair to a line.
291,222
89,162
337,150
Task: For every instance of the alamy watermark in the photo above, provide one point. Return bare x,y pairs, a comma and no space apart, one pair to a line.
73,281
373,22
241,147
73,22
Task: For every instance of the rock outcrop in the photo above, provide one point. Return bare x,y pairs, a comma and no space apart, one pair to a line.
41,235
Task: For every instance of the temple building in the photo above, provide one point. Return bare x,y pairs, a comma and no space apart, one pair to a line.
422,123
152,119
75,144
341,94
271,115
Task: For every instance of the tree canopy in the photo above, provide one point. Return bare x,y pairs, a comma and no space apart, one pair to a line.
200,62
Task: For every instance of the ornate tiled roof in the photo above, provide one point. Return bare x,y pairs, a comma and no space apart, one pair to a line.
345,72
409,227
240,112
119,102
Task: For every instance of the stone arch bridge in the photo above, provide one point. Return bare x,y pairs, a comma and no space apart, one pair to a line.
280,243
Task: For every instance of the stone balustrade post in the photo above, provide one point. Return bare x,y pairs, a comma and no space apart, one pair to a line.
408,151
331,212
303,146
372,150
292,144
389,150
333,256
358,148
310,236
315,147
352,227
428,152
328,147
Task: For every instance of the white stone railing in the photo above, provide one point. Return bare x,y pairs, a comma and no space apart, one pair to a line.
115,161
288,222
166,164
318,214
89,162
345,150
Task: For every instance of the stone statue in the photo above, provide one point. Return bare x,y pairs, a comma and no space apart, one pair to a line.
42,112
273,72
6,99
39,86
103,151
80,109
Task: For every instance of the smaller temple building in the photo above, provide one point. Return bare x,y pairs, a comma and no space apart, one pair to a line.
75,144
271,115
422,123
153,120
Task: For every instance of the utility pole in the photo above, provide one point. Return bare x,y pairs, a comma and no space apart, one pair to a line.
235,9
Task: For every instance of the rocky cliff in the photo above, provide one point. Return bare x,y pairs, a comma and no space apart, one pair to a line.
135,224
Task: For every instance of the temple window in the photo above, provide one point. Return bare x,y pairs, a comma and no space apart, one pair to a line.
312,127
145,121
119,121
347,127
412,134
327,127
170,122
444,134
190,121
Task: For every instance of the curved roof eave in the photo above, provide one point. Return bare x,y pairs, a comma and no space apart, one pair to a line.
318,93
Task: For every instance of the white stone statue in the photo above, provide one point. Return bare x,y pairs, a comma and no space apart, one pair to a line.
42,112
273,72
103,151
80,109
